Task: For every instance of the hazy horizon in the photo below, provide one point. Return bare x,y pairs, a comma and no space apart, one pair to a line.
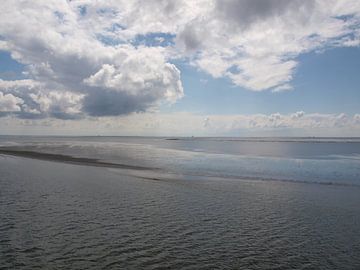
190,136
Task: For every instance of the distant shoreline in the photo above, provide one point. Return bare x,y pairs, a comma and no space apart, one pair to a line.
260,139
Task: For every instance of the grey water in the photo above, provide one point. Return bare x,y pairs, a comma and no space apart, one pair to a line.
324,160
202,203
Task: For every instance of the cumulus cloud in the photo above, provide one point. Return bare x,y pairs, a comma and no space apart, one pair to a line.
33,100
188,124
140,80
72,72
108,58
140,71
256,43
297,115
10,103
356,118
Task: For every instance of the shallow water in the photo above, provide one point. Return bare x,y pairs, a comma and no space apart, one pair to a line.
61,216
323,160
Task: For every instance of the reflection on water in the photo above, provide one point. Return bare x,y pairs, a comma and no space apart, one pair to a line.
61,216
325,160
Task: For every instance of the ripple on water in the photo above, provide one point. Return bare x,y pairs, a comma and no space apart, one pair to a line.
94,218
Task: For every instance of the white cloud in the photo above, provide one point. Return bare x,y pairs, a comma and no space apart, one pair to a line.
356,118
297,115
64,103
141,72
189,124
33,100
63,53
207,122
9,103
255,43
96,55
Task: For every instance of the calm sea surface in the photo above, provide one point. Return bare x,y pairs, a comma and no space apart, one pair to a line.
202,203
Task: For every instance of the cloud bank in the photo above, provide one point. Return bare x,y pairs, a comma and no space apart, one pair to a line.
190,124
107,58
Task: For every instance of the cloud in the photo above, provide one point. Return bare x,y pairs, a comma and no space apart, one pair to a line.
141,80
297,115
189,124
57,104
34,101
356,118
243,13
256,43
9,103
77,72
140,71
207,122
117,57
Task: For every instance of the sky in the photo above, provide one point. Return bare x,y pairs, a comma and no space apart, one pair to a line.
180,68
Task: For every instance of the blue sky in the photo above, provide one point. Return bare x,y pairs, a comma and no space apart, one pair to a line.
324,82
186,67
9,68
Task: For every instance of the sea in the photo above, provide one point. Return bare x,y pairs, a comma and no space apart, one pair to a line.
179,203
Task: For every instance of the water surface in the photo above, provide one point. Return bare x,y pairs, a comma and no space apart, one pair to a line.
191,208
